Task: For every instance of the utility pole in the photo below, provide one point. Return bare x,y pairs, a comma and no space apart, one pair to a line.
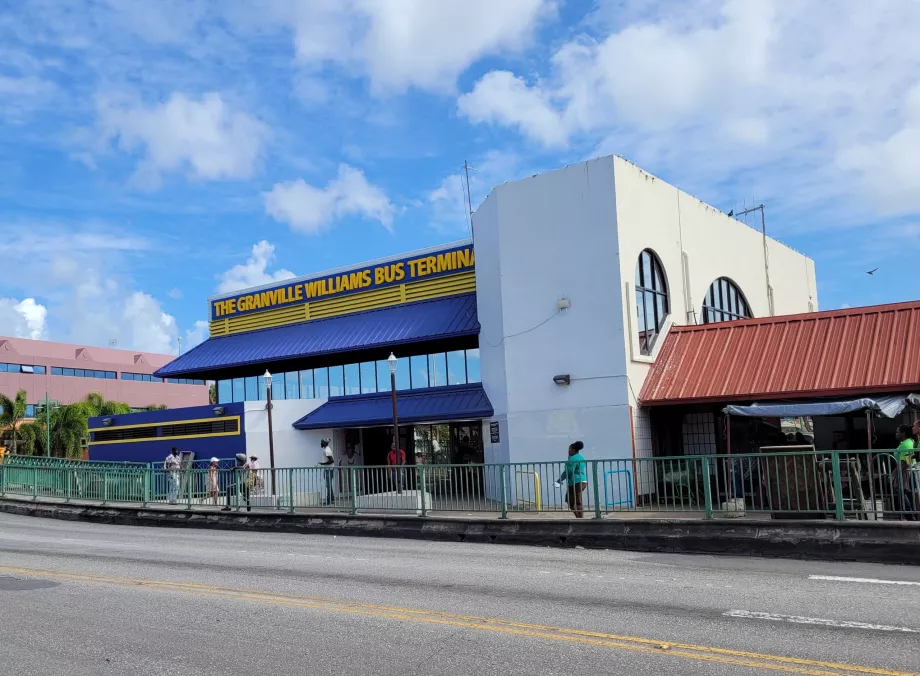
47,405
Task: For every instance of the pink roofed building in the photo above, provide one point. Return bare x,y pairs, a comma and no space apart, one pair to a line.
67,373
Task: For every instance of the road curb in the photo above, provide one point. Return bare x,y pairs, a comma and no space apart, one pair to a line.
867,541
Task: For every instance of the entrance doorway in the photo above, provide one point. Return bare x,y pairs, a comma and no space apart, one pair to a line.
377,442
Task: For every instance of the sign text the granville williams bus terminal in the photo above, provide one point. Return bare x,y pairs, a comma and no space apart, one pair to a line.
426,266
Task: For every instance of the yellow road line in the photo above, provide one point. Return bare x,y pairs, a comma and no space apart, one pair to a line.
632,643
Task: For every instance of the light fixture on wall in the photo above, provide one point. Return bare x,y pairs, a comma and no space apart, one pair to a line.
562,380
218,410
107,422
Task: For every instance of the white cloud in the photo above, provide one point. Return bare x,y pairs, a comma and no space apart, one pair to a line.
309,209
196,335
205,137
254,272
23,319
175,294
401,44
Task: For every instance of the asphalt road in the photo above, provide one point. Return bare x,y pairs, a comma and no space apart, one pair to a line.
91,600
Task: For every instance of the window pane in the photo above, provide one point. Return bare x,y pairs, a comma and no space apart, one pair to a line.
383,376
456,368
68,372
239,390
336,381
306,384
292,385
402,374
224,392
473,370
3,368
321,383
57,371
352,379
100,374
369,378
25,368
40,370
80,373
30,410
661,310
437,369
110,375
251,385
419,372
278,386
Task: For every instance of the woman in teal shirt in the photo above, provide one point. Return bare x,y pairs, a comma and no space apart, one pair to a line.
576,476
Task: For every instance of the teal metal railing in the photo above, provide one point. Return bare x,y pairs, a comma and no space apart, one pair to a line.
871,485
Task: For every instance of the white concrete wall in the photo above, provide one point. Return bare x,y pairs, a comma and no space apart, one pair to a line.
696,244
539,240
293,448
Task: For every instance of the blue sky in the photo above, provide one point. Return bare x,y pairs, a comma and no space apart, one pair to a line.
152,153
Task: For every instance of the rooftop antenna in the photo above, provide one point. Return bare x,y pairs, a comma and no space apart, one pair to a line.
469,198
179,343
113,343
766,254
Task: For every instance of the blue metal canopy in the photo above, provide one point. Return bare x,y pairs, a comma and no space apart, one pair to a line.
450,317
436,404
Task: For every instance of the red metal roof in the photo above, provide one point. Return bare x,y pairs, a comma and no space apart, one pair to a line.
841,352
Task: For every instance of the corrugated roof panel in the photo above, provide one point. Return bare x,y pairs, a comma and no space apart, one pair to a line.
460,402
853,351
449,317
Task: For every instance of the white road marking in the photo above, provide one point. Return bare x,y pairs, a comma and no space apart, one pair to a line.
796,619
865,580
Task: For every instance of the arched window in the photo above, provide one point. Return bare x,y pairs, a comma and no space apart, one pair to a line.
651,299
724,302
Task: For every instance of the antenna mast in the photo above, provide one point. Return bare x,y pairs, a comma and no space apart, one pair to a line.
766,253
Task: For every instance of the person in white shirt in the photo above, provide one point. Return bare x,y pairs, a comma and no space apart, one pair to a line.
172,464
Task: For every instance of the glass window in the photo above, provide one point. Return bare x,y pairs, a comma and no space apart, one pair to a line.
336,381
321,383
39,370
30,410
369,378
383,375
456,368
292,385
111,375
306,384
25,368
651,300
68,372
57,371
224,392
352,379
419,372
402,374
79,373
473,369
251,385
239,390
278,386
4,368
99,374
437,369
724,302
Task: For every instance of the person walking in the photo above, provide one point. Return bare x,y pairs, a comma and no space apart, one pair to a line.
902,481
213,481
172,464
398,462
239,482
258,481
576,477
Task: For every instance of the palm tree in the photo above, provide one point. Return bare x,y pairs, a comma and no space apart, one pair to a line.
12,413
32,438
69,429
96,405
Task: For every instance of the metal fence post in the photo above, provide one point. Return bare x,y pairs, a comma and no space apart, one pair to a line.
189,475
105,486
354,490
504,476
145,496
597,494
290,472
34,482
421,481
707,486
838,486
68,481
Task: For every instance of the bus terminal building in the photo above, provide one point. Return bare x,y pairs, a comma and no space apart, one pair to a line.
538,332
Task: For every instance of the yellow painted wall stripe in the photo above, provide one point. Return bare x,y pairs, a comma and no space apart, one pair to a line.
164,424
449,285
166,438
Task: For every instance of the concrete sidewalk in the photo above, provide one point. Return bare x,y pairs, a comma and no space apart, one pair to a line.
867,541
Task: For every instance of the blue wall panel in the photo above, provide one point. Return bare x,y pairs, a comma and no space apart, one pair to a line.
156,450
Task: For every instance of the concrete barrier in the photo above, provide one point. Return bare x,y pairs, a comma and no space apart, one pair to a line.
866,541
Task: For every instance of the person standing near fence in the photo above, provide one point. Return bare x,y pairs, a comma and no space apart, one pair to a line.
328,465
172,465
576,477
239,482
258,481
902,480
213,481
397,460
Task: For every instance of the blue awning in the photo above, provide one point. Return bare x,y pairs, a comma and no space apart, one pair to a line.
450,317
436,404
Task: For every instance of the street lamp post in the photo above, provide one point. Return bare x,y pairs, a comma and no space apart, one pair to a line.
47,404
391,362
271,441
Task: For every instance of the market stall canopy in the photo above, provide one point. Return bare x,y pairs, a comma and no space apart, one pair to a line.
856,352
440,404
450,317
889,407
